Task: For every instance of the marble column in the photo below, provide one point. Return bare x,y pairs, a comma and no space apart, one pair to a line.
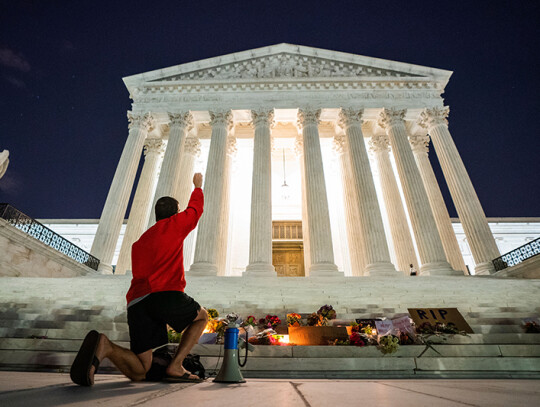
207,247
320,236
192,149
483,246
352,211
299,150
115,207
449,241
225,224
142,202
170,174
377,256
260,234
427,237
399,228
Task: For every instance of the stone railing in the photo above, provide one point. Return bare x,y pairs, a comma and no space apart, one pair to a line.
518,255
45,235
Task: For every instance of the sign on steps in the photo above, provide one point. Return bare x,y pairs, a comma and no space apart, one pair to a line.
441,315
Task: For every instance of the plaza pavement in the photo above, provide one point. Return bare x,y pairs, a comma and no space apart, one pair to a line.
112,390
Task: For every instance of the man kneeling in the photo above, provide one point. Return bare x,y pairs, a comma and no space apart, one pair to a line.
155,299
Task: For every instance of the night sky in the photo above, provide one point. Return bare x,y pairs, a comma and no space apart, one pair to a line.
63,103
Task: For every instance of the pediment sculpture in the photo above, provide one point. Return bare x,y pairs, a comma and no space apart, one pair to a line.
286,65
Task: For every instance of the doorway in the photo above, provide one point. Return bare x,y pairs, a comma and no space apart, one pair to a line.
288,248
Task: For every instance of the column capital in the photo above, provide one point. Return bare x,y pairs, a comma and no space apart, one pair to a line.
181,119
154,145
192,146
308,116
430,118
419,143
262,117
379,143
145,121
391,117
350,116
221,118
339,144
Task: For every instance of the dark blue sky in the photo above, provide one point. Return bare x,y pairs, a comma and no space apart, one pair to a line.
63,103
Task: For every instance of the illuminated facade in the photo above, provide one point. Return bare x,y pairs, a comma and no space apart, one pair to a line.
315,162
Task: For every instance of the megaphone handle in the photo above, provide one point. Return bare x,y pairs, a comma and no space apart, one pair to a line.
246,357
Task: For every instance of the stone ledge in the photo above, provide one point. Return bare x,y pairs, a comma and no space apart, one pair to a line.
23,255
479,364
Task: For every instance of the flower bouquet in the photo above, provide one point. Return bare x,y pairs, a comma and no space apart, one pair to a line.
316,320
251,320
355,339
270,321
327,311
388,344
212,313
294,319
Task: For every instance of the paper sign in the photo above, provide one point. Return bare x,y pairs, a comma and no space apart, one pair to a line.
385,327
442,315
403,324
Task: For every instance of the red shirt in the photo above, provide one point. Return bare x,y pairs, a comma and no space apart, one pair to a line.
157,258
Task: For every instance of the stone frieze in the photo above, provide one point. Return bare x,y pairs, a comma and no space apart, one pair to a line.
285,65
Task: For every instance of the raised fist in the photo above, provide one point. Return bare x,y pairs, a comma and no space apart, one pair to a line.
197,180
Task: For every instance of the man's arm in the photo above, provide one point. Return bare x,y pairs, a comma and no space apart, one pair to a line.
195,205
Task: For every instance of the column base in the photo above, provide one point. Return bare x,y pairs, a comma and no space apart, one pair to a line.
105,268
324,270
260,270
382,269
202,269
441,268
484,269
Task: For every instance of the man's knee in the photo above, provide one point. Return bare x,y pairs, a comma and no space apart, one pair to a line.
202,315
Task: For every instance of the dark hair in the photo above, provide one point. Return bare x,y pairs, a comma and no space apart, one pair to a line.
166,207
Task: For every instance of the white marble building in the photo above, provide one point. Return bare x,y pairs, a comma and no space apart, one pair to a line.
348,135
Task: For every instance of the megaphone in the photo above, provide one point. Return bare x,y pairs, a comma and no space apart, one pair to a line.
230,371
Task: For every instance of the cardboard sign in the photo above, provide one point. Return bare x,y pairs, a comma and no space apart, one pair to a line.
316,335
442,315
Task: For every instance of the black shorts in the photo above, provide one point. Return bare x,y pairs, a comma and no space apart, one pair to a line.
148,319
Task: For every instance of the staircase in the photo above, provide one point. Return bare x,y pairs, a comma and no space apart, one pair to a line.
42,322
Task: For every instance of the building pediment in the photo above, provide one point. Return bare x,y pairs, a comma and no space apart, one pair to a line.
285,76
287,62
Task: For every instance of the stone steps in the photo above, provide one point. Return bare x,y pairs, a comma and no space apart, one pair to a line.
63,310
472,360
